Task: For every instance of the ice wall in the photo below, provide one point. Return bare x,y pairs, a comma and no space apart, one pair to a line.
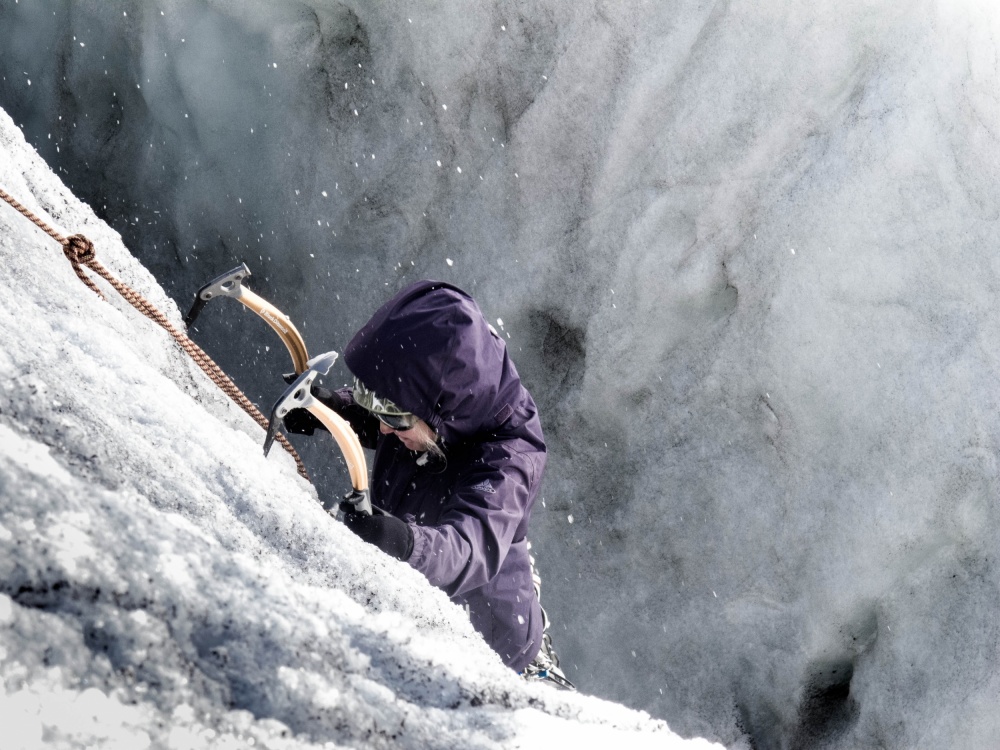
745,255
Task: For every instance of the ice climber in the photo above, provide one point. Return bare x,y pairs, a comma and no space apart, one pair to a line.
459,456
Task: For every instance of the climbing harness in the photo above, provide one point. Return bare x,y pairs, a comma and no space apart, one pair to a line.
80,252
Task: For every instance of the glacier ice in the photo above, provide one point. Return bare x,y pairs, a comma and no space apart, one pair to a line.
775,438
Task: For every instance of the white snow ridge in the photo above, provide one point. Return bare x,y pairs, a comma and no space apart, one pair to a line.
164,585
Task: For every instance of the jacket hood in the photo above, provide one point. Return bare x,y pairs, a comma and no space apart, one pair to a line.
430,350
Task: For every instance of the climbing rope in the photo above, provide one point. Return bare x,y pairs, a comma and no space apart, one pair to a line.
80,252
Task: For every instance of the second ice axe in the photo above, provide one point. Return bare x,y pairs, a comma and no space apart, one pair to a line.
230,284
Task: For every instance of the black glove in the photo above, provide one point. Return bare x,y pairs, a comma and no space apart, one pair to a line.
301,421
386,532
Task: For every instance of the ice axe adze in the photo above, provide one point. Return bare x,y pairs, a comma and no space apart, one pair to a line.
230,284
299,396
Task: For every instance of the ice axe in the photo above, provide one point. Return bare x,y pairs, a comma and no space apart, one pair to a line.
299,396
230,284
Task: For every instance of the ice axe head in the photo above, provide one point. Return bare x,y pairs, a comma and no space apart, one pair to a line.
230,284
298,395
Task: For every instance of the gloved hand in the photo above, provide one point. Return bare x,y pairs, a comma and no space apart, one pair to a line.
300,421
386,532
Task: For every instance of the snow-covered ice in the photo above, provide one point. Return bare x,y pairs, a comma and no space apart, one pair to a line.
163,585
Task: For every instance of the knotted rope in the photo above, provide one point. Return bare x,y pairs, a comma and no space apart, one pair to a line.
80,252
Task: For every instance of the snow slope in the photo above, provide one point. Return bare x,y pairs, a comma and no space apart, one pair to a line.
164,585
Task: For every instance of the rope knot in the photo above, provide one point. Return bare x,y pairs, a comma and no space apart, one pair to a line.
78,249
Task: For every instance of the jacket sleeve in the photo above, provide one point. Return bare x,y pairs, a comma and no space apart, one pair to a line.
487,511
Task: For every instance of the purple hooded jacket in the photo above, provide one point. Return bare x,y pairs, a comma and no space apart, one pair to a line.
430,350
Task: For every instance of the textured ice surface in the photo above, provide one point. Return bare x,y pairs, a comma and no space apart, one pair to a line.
162,585
745,254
